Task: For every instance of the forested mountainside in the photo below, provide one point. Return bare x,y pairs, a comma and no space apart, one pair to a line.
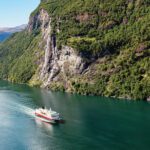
92,47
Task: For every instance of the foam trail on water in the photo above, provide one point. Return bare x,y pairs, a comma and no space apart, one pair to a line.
27,110
21,108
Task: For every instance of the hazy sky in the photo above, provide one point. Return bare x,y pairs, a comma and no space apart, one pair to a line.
16,12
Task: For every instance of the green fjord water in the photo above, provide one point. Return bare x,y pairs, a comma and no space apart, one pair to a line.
92,123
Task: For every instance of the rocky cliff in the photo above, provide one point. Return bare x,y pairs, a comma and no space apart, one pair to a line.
87,47
57,63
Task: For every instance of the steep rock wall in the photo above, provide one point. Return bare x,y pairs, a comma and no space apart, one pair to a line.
56,61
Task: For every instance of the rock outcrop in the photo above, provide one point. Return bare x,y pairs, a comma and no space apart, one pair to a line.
56,61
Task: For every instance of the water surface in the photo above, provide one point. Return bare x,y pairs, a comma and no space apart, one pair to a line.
92,123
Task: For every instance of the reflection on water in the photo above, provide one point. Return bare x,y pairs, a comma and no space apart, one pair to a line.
91,122
44,125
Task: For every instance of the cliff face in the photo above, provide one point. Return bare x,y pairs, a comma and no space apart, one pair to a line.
56,61
87,47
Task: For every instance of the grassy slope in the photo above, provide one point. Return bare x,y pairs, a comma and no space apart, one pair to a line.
116,33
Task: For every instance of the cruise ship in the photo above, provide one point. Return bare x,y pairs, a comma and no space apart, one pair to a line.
48,116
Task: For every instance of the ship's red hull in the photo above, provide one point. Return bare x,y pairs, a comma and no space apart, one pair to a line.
47,119
43,116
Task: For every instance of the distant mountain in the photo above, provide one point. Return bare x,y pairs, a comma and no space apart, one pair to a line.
6,32
4,35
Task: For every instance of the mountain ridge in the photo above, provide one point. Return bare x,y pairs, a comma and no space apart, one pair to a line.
5,32
13,29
